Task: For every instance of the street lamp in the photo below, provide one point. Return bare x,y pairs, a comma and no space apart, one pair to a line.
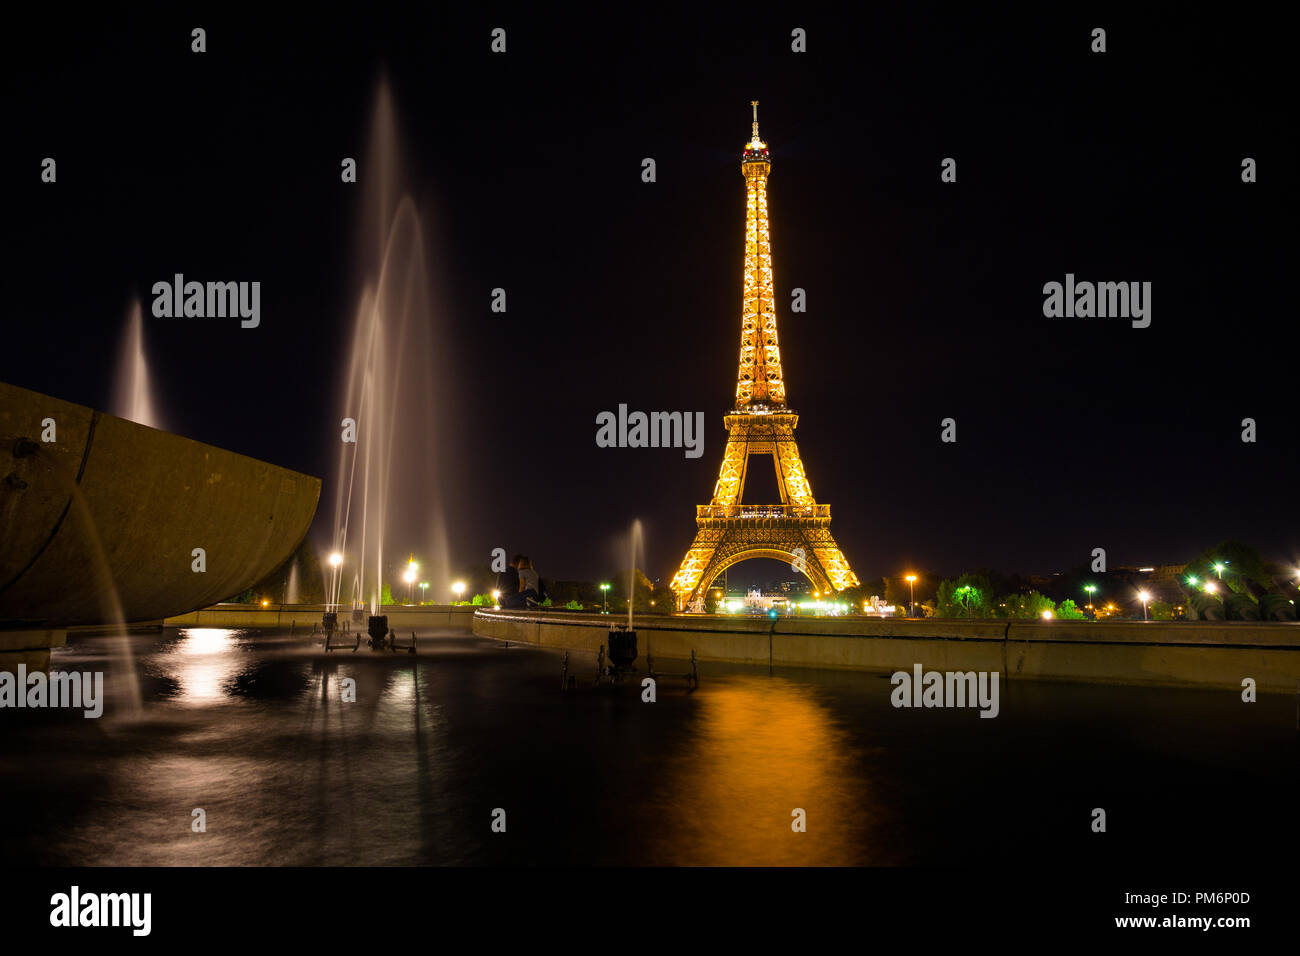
336,559
1211,587
459,589
409,578
1090,588
1144,597
605,597
1218,568
424,590
911,589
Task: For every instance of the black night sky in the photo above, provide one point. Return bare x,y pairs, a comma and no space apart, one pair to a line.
924,298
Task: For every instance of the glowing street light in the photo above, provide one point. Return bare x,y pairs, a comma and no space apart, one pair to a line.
336,559
1047,615
1218,568
605,589
1091,589
409,578
911,589
1193,580
1211,587
459,589
424,590
1144,597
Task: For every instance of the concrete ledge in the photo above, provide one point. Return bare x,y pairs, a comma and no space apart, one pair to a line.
29,647
1200,653
412,617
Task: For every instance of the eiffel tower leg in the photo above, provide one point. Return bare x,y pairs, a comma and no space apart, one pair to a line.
689,582
830,559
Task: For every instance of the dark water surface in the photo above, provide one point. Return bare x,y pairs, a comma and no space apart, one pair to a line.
250,727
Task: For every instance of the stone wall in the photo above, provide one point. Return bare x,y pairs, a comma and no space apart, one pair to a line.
1202,653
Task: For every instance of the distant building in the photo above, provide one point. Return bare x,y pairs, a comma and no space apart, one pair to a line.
756,602
875,606
795,589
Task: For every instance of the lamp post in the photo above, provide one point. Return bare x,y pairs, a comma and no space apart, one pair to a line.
1144,597
424,590
409,578
1218,568
1091,589
458,588
911,590
605,597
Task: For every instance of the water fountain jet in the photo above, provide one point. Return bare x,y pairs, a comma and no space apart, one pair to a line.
387,483
131,392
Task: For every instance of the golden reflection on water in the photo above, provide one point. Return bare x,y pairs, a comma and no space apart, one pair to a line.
761,748
202,664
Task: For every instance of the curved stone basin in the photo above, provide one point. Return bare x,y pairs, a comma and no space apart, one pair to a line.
110,501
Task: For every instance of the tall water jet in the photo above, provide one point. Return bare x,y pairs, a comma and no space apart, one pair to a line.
622,638
132,399
631,573
387,496
291,587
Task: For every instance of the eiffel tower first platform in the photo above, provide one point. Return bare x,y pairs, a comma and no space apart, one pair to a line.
798,529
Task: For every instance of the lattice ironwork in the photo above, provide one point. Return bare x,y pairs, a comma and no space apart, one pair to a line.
797,529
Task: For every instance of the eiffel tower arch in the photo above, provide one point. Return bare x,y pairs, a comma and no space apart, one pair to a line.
797,529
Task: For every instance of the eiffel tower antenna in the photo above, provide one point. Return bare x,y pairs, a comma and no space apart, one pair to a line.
761,423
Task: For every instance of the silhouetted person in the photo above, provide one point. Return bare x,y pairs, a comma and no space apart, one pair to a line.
529,582
508,584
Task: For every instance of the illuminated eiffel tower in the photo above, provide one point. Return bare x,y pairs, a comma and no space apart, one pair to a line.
798,529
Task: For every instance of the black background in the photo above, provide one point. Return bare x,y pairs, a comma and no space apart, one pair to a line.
924,298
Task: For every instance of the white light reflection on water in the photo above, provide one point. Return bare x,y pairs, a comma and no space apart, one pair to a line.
203,664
